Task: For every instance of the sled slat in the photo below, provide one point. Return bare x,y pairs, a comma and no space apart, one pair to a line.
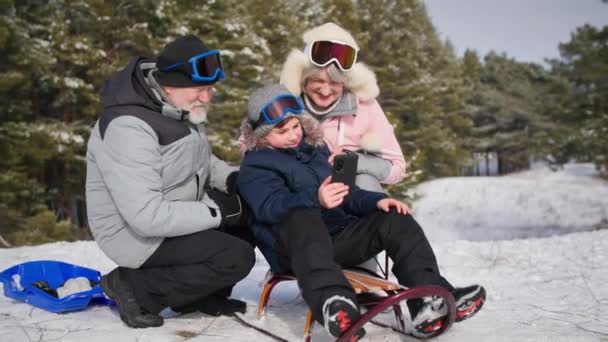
368,283
358,286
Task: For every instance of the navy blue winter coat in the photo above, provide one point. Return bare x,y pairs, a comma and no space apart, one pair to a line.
273,182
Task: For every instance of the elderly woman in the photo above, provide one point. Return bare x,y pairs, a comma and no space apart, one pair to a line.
340,92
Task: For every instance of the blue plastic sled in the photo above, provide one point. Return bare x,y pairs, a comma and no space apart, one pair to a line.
55,273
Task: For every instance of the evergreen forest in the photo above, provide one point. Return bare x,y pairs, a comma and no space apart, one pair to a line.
447,110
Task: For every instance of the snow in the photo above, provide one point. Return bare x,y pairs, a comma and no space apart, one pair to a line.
528,204
81,46
246,51
73,82
182,30
529,238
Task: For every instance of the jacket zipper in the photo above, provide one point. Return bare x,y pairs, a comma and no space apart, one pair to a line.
340,133
198,186
197,154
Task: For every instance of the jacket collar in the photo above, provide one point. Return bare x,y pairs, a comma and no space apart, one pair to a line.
303,152
346,105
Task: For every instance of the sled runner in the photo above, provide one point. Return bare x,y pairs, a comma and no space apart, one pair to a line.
376,295
36,283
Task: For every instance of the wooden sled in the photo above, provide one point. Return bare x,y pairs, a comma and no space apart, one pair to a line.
384,295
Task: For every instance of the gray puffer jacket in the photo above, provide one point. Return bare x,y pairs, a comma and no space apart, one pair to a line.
146,172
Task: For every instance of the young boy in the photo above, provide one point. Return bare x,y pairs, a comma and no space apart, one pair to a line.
304,224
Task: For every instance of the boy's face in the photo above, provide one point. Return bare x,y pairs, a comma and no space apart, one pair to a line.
287,136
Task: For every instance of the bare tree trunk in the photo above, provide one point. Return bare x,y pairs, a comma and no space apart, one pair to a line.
4,243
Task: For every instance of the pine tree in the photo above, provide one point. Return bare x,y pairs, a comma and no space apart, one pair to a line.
56,56
507,106
471,69
584,100
419,83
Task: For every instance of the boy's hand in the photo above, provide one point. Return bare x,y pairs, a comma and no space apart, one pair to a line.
331,195
386,204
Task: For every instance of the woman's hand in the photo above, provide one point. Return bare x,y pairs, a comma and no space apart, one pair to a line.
337,151
332,195
386,204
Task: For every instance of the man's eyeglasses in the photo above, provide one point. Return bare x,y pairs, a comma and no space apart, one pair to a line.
206,67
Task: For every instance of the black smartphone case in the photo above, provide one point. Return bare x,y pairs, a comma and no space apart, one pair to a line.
345,169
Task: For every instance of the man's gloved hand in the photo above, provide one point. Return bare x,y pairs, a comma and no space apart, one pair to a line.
234,212
231,183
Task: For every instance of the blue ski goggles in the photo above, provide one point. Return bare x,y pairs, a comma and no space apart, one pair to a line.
206,67
277,109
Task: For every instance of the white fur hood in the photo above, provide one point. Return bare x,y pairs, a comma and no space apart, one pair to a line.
361,80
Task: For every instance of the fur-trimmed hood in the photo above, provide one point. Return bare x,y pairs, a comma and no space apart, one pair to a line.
361,80
313,135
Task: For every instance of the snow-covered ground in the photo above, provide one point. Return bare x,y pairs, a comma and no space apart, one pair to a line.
529,238
534,203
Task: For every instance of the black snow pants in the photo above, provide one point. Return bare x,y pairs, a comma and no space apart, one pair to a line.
186,269
317,258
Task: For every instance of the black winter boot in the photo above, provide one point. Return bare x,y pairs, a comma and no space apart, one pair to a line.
428,315
119,290
339,314
218,306
469,301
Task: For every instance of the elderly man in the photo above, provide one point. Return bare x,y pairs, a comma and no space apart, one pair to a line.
160,204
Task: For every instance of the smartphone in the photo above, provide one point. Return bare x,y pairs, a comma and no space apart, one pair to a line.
345,169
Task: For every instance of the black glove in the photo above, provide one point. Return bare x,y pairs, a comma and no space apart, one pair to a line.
231,183
234,212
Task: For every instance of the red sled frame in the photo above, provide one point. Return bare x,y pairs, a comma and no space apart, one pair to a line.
376,305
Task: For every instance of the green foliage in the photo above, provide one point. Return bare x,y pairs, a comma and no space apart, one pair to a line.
507,101
56,55
41,163
471,69
43,228
582,101
20,197
419,82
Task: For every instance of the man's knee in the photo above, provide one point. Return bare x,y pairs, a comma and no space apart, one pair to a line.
240,258
246,259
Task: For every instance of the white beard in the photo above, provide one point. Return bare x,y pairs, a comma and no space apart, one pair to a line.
198,112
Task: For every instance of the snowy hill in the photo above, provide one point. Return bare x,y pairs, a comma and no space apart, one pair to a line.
533,203
528,238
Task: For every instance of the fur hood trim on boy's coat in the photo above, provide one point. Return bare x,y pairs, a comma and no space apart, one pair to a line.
361,80
313,135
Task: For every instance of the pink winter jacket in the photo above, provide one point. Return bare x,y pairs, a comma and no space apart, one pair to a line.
370,130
